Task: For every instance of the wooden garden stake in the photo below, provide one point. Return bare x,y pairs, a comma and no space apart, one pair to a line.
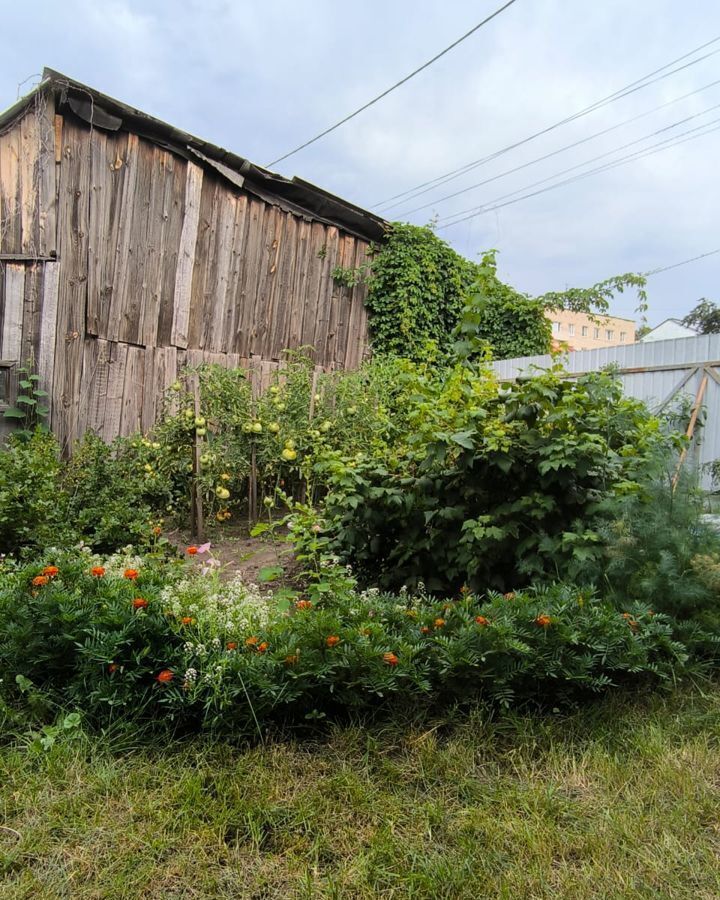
691,427
196,507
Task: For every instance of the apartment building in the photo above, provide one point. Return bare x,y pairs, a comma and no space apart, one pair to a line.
578,331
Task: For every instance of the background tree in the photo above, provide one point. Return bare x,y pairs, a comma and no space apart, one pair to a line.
705,317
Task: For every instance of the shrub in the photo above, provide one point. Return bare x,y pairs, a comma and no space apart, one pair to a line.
29,476
497,485
170,646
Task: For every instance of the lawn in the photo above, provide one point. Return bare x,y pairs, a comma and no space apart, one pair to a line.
619,799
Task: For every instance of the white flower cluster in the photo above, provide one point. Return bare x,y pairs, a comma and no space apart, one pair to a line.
228,609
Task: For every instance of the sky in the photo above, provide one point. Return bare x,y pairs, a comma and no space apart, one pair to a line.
261,78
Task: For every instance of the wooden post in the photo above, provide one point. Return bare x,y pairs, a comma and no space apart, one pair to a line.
691,426
196,515
256,386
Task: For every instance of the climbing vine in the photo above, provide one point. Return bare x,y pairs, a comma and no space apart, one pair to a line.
424,298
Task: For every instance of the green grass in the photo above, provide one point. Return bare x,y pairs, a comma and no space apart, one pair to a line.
617,800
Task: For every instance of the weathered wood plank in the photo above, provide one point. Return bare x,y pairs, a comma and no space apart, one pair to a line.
93,386
29,187
248,292
13,313
133,391
316,252
32,309
10,188
127,170
327,306
72,295
174,209
47,177
186,255
115,386
298,295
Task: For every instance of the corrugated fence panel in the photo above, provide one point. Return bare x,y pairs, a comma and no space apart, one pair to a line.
655,372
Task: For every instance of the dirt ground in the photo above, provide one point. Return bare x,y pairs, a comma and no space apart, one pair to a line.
238,552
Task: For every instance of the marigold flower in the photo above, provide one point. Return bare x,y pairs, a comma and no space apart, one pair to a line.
543,621
303,604
113,667
252,641
464,590
366,632
231,645
192,551
390,659
509,596
97,571
438,623
332,641
481,620
263,647
40,580
165,676
140,603
187,620
291,659
157,531
50,571
131,574
425,630
411,613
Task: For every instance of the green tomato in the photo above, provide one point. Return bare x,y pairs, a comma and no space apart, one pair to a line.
317,398
352,410
189,412
289,454
290,444
222,492
274,427
176,386
199,421
205,458
257,427
326,426
280,407
201,432
268,502
274,389
156,445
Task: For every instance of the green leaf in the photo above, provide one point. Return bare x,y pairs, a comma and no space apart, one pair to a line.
463,438
270,573
14,413
28,401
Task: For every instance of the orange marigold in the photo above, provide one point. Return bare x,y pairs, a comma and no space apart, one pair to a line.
157,531
40,580
481,620
332,640
438,623
231,645
165,676
97,571
140,603
543,621
425,630
390,659
303,604
252,641
291,659
50,571
464,590
113,667
192,551
263,647
510,595
187,620
132,574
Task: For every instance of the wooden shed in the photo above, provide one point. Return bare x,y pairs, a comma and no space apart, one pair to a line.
129,249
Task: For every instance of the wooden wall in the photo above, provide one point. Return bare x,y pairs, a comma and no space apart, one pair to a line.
161,262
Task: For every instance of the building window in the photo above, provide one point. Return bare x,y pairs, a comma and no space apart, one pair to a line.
623,335
571,329
609,334
596,333
584,331
556,327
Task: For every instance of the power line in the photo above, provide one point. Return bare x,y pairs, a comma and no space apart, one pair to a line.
684,262
592,159
631,88
394,86
584,140
640,154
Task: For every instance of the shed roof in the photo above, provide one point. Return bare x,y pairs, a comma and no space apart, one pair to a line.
292,194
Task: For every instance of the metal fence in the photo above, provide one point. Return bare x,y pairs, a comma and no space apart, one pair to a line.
661,373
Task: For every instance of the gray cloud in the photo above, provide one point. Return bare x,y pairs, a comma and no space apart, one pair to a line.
261,78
